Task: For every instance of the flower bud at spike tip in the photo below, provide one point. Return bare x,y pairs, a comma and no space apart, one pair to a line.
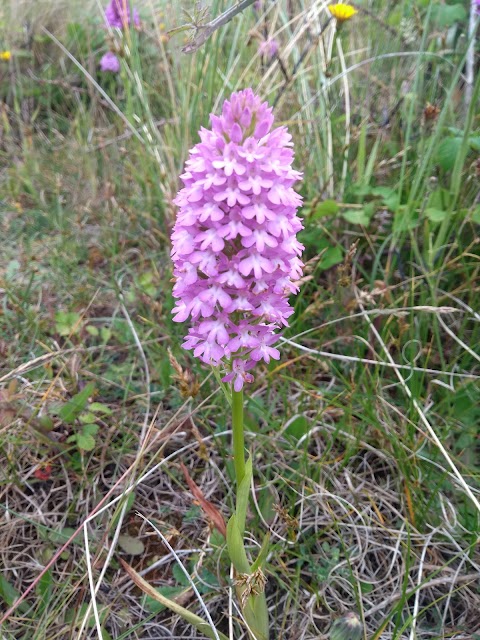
234,246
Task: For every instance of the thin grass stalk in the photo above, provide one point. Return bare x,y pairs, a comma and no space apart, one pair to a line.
346,91
470,62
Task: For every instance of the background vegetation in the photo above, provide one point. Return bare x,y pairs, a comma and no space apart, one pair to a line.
365,435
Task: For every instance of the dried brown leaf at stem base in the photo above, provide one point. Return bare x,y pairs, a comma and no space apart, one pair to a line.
210,510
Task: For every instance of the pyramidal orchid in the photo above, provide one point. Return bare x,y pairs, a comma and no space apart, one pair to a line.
236,261
234,246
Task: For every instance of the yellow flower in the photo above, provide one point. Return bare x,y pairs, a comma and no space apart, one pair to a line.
342,11
5,55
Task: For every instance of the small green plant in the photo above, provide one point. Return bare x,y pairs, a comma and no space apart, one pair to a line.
80,413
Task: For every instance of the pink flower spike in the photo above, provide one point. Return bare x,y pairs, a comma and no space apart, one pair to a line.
234,246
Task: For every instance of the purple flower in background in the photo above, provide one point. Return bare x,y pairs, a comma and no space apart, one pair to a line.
117,14
268,48
234,247
110,62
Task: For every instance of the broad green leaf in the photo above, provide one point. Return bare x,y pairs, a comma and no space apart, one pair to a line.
474,143
447,152
86,417
356,216
180,576
70,411
445,15
439,199
391,202
435,215
298,427
98,407
366,587
105,334
85,441
67,322
90,429
325,208
405,219
9,594
331,257
383,192
132,546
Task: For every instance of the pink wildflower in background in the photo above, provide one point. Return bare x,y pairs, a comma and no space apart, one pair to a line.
117,14
110,62
235,252
268,48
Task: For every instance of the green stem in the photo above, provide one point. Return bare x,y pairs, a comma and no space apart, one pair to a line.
238,436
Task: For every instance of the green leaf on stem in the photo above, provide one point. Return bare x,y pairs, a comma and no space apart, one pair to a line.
435,215
263,553
236,550
325,208
71,410
243,493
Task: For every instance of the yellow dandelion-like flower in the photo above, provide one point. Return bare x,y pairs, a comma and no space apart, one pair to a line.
5,55
342,11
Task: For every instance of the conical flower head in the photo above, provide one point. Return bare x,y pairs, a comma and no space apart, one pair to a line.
234,247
